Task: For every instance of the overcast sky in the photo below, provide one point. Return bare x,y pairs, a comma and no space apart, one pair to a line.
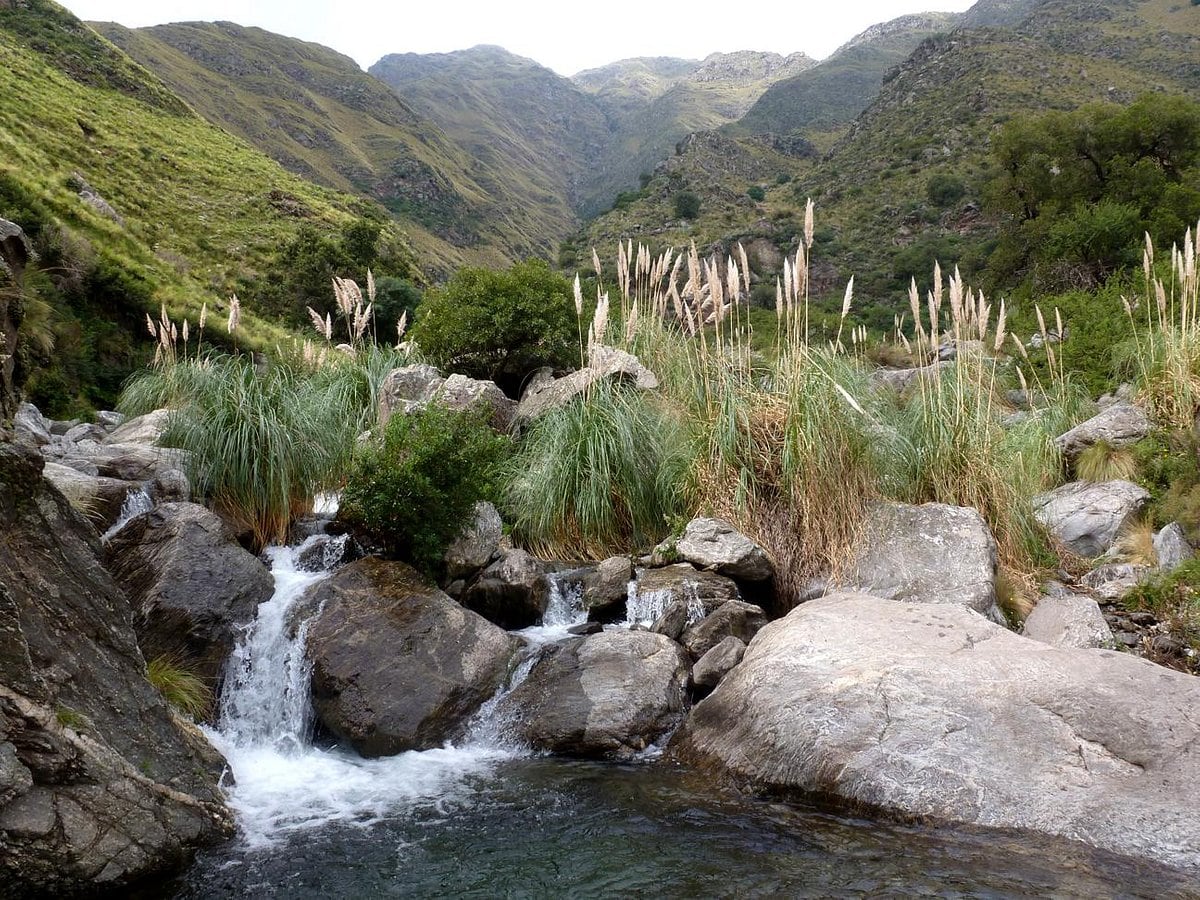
565,36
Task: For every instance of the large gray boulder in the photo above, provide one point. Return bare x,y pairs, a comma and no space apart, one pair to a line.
101,785
191,585
604,363
146,429
1065,619
1119,425
476,544
733,619
414,387
718,662
30,427
609,695
398,665
512,592
931,553
1088,517
606,588
929,711
715,544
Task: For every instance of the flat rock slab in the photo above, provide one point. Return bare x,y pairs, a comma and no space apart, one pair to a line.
1087,517
398,665
931,553
609,695
930,711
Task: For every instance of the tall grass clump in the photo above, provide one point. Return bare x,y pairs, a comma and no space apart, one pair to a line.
1166,330
262,437
179,686
606,472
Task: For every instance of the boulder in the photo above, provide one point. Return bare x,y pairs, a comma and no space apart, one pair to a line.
1065,619
606,588
101,785
656,589
900,380
717,545
604,363
718,662
512,592
1113,581
109,419
145,429
100,499
477,544
414,387
928,711
609,695
398,665
1171,547
325,552
1088,517
931,553
1119,425
735,618
191,585
85,431
30,427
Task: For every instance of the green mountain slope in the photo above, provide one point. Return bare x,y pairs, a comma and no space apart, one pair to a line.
530,133
831,94
319,115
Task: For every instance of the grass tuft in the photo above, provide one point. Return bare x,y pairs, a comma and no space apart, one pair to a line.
1104,462
180,687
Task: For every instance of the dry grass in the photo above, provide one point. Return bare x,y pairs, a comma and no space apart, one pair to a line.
1136,544
1016,595
1104,462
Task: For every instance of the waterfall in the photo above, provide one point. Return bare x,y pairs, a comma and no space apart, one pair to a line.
645,607
136,502
564,609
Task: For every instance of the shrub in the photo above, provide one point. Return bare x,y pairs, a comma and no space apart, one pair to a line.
499,325
413,492
944,189
600,475
756,193
180,687
687,205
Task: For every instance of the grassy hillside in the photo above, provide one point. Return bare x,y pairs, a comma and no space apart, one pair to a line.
189,213
315,112
653,104
883,211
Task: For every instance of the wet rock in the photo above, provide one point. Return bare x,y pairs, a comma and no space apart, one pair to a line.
398,665
931,553
718,662
609,695
101,786
1064,619
732,619
1087,517
512,592
477,544
585,628
190,584
931,712
715,544
1120,425
673,620
1171,547
656,589
325,552
99,499
605,589
145,429
603,363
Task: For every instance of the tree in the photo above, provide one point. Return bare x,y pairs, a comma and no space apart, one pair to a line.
687,205
499,325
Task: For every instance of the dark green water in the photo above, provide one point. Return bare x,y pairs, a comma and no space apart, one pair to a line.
552,828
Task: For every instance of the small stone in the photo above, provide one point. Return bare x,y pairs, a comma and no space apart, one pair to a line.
585,629
1145,619
1128,638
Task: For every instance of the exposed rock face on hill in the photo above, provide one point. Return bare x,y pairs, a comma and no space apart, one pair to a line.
100,784
930,711
14,253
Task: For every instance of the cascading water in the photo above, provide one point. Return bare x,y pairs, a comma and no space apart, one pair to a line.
282,782
564,610
136,502
644,607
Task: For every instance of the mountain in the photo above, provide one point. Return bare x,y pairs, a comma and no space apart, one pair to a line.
529,132
930,123
318,114
655,103
832,93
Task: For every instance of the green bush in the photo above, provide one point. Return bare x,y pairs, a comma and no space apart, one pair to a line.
944,189
756,193
499,325
414,492
687,205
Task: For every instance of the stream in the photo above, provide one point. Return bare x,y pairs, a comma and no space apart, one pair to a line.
485,817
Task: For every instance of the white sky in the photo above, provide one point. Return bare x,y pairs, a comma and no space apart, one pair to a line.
565,36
